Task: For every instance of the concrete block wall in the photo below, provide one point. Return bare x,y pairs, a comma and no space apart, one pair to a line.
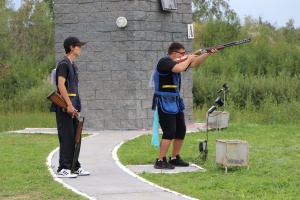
116,64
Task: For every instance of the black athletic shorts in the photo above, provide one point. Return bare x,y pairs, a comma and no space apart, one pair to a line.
172,125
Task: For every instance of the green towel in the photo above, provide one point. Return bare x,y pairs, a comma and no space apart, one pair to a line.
155,133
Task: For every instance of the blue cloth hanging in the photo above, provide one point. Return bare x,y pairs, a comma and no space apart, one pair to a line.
155,133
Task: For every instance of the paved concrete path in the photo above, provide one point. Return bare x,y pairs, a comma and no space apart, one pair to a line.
109,179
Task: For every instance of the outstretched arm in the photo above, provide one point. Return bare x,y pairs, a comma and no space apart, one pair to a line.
200,59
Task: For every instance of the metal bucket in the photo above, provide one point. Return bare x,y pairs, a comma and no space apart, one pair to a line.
232,153
218,119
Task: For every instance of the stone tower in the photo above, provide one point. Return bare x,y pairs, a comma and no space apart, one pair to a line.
116,63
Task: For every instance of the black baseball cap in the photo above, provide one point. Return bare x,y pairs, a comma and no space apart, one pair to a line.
72,41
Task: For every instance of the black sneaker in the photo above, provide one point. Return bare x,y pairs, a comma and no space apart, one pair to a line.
178,162
163,164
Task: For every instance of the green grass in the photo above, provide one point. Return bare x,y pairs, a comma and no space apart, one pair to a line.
24,174
19,121
273,174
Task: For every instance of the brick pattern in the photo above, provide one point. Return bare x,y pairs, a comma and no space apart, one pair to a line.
116,64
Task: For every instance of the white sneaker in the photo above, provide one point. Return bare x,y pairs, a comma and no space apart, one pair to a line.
66,173
82,172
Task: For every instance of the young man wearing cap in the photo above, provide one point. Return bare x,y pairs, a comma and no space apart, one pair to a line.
67,86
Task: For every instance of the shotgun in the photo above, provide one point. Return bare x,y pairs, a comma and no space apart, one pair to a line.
222,46
59,100
218,47
77,145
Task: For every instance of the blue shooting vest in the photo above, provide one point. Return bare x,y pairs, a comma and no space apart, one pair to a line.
170,102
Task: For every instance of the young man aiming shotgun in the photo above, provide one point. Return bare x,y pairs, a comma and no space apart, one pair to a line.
166,98
167,101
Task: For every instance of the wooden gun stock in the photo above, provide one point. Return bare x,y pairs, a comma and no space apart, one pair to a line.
59,100
181,59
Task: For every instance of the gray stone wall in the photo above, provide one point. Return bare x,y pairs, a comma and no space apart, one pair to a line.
116,64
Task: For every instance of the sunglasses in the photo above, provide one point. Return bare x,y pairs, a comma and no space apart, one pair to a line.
182,53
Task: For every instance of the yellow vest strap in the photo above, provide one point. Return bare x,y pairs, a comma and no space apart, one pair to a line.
72,95
169,86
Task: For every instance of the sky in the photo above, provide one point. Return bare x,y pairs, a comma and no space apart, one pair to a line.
273,11
277,12
17,3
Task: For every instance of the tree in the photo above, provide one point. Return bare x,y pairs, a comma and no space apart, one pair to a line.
217,9
5,34
33,29
50,4
27,46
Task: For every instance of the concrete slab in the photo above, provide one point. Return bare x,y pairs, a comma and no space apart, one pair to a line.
138,169
37,130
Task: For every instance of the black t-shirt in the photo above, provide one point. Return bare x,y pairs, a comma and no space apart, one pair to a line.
62,70
165,66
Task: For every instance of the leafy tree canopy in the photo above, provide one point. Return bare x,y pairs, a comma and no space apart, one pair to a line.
216,9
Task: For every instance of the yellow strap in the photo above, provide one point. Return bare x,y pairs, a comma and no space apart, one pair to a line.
169,86
72,95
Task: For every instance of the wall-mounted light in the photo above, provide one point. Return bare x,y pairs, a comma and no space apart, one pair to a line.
121,22
169,5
